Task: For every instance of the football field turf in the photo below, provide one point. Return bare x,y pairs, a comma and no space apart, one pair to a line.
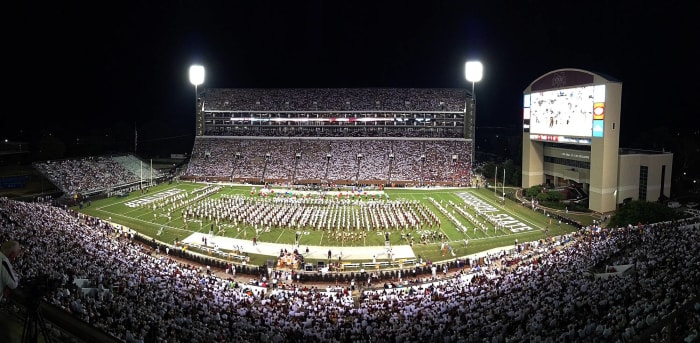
341,218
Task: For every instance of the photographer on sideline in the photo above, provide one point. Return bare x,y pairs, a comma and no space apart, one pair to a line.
9,280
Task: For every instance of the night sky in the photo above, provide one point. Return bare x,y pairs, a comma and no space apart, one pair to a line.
83,72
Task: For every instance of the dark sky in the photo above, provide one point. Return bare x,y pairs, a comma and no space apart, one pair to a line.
81,70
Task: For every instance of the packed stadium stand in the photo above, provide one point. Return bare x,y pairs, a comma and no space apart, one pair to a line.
332,160
553,294
95,174
334,136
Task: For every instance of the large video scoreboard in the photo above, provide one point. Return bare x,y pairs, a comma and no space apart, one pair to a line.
567,115
571,128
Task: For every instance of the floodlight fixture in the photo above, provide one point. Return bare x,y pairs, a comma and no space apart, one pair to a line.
473,71
196,75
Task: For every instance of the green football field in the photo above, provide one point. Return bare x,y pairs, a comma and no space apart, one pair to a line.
335,219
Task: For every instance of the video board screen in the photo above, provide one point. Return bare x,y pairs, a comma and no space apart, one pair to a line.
564,112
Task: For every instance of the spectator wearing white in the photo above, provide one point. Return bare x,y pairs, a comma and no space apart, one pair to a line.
9,280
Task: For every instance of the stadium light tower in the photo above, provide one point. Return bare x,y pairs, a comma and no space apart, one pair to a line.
473,71
196,78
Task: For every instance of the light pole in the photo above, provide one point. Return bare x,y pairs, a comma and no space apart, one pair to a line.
473,71
196,78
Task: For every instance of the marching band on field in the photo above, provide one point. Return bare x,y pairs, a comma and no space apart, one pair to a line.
348,214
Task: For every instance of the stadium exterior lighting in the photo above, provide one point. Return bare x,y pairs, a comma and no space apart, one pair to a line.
473,71
196,75
196,78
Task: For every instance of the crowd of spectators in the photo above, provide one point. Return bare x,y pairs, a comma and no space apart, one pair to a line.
335,112
551,297
338,115
416,160
89,174
95,173
335,99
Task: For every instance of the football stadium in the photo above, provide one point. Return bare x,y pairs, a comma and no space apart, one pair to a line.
336,215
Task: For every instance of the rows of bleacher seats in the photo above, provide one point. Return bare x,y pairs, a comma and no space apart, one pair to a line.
335,99
427,161
551,297
89,174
